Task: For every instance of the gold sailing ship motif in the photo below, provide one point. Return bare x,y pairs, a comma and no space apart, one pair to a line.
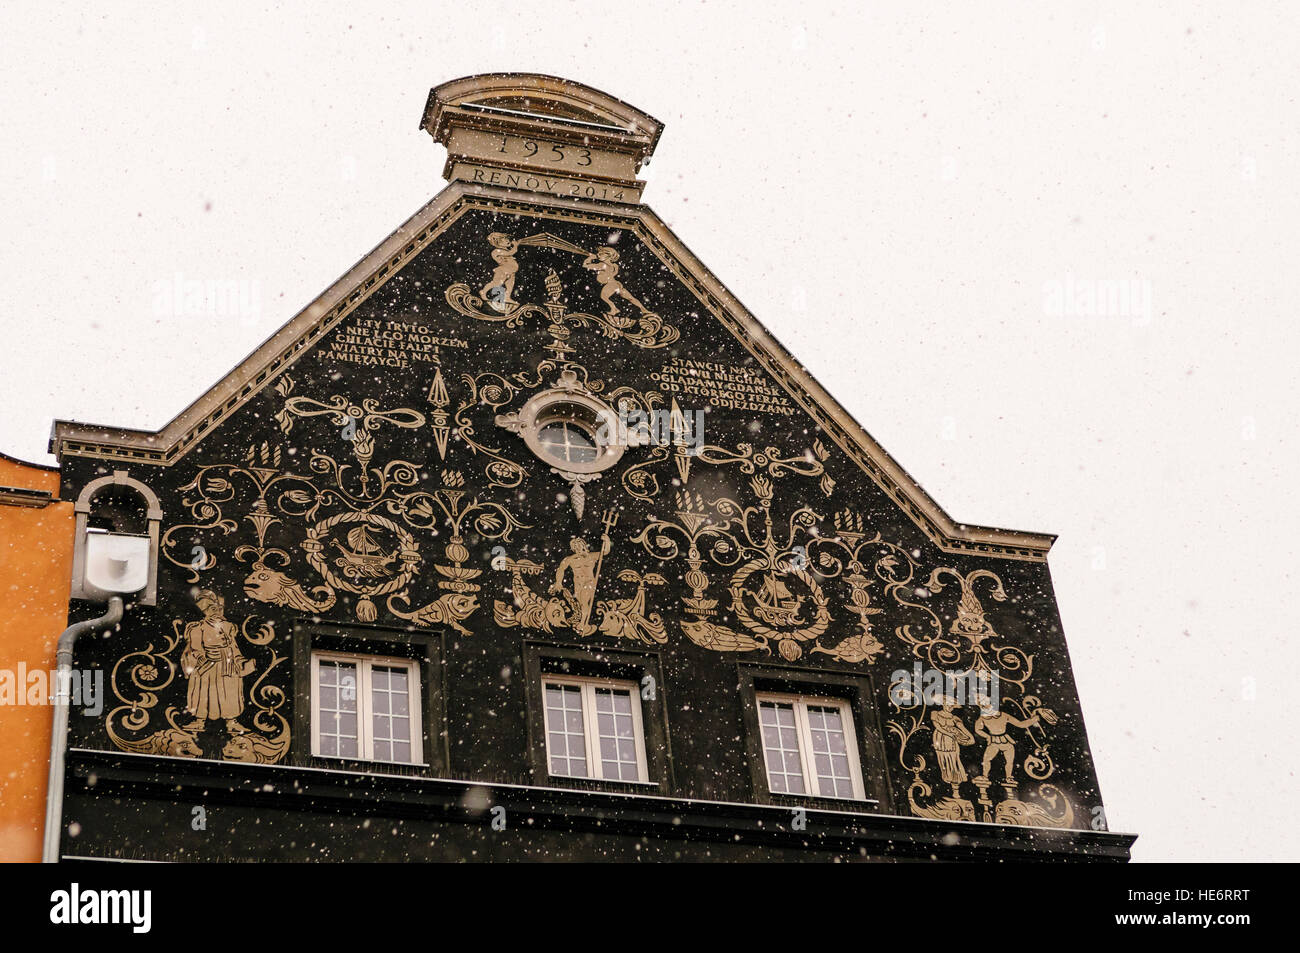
362,556
370,574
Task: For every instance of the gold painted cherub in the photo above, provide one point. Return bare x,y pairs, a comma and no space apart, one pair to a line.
605,265
500,289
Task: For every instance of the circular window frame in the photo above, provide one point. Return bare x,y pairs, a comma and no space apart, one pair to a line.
580,410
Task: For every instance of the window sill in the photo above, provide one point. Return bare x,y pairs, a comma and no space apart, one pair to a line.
599,784
822,803
361,764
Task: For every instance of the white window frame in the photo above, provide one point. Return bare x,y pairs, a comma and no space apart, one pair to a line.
801,702
590,726
365,724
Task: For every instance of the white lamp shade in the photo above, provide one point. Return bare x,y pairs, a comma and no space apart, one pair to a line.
116,563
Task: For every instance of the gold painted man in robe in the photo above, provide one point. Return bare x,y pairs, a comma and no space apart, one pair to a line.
214,666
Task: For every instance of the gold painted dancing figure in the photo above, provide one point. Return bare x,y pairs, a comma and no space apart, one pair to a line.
500,289
605,264
992,727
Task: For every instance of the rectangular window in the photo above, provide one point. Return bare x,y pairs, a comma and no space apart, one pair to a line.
593,729
365,707
809,746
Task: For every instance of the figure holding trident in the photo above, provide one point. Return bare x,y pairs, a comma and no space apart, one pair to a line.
584,567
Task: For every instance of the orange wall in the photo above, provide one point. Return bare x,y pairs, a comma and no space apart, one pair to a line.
35,569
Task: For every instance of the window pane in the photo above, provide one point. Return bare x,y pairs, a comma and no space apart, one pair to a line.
389,688
337,708
781,747
831,763
567,442
617,733
565,738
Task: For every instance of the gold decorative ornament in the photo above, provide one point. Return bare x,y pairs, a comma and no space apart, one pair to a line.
568,427
572,606
215,668
377,558
970,644
495,301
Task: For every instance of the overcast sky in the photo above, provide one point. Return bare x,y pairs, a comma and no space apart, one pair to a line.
915,198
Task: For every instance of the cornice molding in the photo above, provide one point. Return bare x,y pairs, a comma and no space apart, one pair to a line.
20,496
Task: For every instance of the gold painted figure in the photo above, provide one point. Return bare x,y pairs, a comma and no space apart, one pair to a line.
584,567
992,727
949,736
605,264
214,666
503,278
572,608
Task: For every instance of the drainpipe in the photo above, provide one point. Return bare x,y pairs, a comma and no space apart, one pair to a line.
59,738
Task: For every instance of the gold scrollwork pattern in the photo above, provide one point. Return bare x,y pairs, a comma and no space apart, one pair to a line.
743,543
1010,726
215,664
495,302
